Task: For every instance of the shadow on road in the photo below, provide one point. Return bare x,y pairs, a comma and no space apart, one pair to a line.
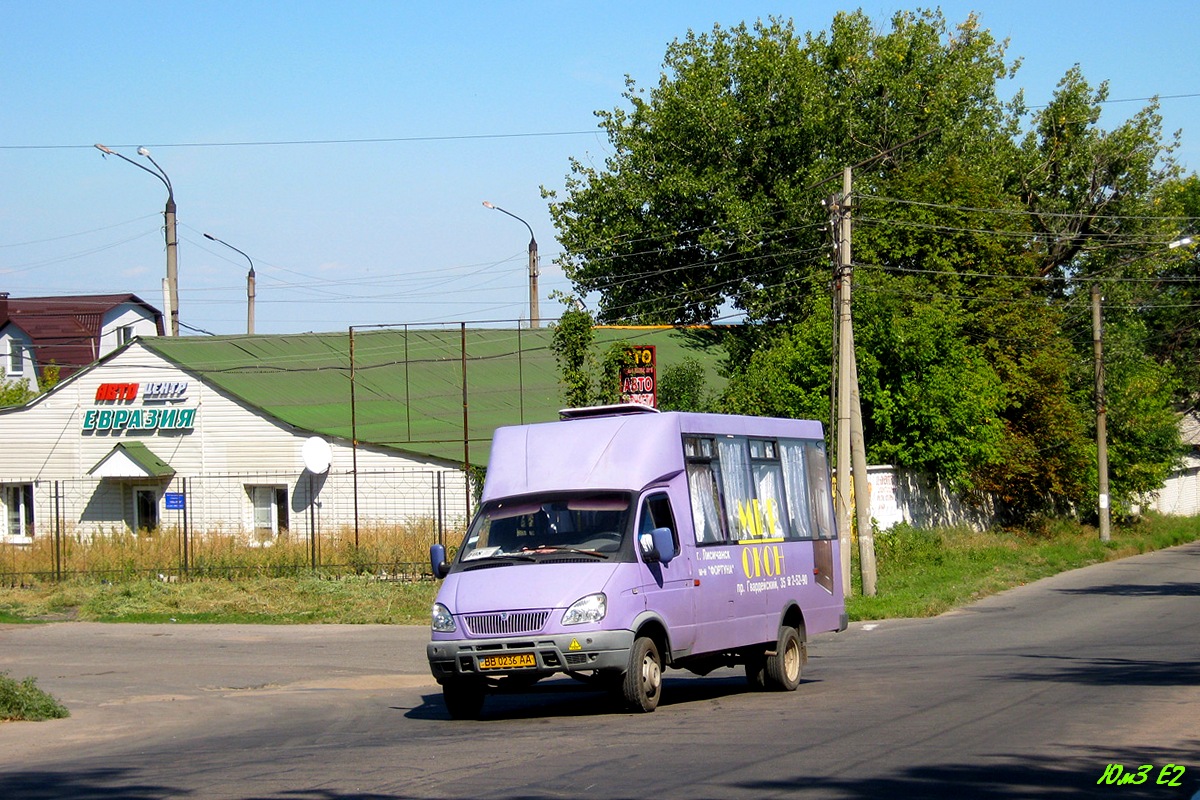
94,784
1140,590
569,698
1006,777
1110,672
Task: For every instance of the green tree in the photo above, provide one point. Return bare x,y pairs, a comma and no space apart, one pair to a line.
683,387
1170,305
572,341
50,376
712,194
15,392
975,243
1093,195
585,379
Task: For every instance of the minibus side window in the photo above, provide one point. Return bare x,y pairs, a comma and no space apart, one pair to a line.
704,490
656,513
819,492
752,479
771,506
739,492
794,477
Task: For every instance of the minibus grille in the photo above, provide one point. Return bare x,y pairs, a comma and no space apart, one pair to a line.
506,622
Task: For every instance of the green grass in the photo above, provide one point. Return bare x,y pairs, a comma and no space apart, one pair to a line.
306,599
926,572
920,573
23,700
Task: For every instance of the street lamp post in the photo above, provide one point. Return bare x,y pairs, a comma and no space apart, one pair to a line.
170,230
249,282
533,265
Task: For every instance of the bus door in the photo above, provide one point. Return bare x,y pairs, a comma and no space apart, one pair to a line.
668,589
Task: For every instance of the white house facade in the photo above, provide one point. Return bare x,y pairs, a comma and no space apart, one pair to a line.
137,442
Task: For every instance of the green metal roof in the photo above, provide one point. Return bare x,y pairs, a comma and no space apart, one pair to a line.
142,456
408,382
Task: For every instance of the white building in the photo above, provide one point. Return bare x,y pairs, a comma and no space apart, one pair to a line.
139,440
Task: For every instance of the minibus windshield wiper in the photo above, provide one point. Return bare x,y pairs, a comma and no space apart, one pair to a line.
553,548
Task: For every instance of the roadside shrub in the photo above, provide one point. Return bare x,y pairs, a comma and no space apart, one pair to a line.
23,700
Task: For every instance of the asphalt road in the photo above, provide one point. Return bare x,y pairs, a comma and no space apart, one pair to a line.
1031,693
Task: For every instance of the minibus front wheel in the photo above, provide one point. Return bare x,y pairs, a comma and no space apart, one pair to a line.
463,697
643,680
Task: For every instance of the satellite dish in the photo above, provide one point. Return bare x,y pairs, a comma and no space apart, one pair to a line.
317,455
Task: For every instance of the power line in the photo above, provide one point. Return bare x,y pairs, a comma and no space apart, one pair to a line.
295,142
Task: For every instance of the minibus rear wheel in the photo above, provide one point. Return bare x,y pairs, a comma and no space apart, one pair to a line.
783,668
756,669
643,680
463,697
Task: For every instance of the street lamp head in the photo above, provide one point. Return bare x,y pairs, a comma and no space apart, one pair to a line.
103,149
210,236
141,151
1181,242
486,204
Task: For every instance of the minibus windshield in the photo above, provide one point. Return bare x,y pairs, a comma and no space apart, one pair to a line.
589,525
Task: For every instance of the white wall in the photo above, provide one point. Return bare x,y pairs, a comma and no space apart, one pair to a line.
12,337
1180,495
126,314
899,495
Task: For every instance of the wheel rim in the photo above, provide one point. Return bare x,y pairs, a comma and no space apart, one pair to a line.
791,661
651,675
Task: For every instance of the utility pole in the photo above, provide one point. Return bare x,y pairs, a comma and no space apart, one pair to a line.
842,429
249,282
534,315
1101,413
171,295
851,445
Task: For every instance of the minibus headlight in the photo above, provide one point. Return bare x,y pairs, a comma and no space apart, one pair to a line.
591,608
443,620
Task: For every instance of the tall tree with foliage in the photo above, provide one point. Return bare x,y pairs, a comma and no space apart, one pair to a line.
712,194
586,380
1169,305
974,242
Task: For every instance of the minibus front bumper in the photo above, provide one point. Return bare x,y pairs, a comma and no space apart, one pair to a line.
542,655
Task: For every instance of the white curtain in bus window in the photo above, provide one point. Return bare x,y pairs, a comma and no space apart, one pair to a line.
819,492
792,455
739,492
706,513
769,516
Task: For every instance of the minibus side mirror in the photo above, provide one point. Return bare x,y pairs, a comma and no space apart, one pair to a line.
437,561
658,545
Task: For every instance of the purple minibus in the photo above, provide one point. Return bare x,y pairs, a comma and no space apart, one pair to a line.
620,541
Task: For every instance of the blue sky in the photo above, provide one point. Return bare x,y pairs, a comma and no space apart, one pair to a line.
470,102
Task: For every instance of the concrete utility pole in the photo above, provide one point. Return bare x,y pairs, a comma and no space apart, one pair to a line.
171,232
842,429
1101,413
249,282
851,445
534,317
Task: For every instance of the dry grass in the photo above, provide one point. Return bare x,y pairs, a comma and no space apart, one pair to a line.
385,551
